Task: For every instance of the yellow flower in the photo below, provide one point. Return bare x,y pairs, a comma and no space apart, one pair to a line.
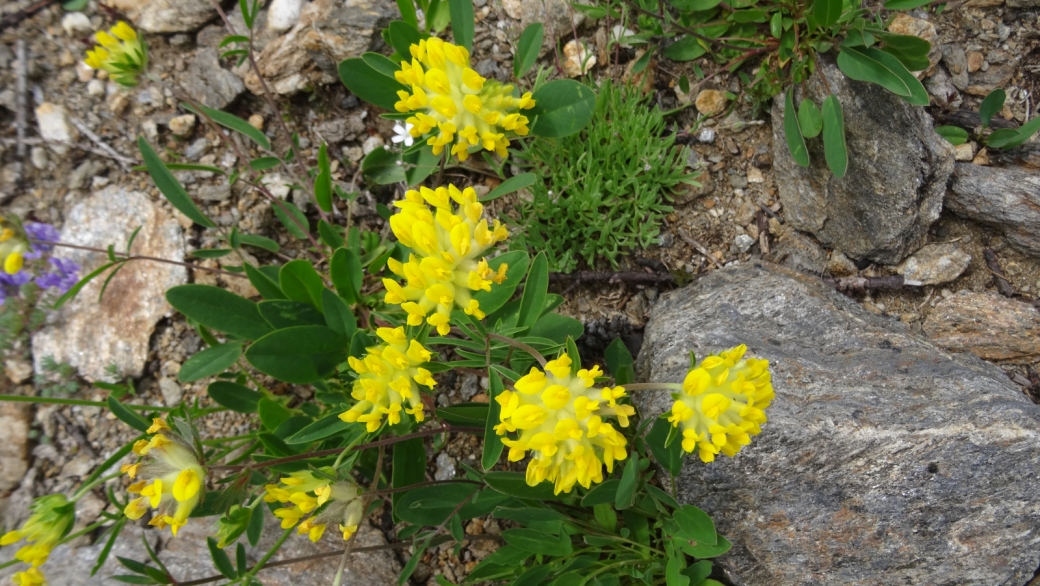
449,97
52,517
13,246
330,501
172,479
388,380
30,577
448,263
722,403
119,52
560,415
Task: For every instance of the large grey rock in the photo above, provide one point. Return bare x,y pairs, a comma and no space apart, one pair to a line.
988,325
92,335
1006,199
328,31
166,16
208,82
14,450
884,461
893,189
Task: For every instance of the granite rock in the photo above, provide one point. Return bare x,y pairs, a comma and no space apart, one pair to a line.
885,460
91,335
1006,199
986,324
935,264
894,186
208,82
14,450
165,16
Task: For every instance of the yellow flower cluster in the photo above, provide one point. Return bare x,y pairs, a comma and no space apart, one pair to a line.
305,492
450,97
119,52
388,378
172,479
12,249
448,260
52,517
722,403
560,416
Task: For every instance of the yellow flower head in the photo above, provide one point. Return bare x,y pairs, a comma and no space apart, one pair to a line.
13,246
330,501
722,403
448,262
454,102
30,577
560,415
171,479
52,517
388,380
119,52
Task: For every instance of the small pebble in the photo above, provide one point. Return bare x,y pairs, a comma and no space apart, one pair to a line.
372,143
182,125
743,242
256,121
95,88
76,23
39,157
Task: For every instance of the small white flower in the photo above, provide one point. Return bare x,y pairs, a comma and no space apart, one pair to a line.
403,134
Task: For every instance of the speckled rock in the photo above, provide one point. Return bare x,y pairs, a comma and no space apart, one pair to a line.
206,81
166,16
1006,199
885,460
893,189
14,450
91,335
935,264
988,325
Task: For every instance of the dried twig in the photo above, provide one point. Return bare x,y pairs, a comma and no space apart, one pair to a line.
611,277
698,247
861,284
763,231
1001,282
123,160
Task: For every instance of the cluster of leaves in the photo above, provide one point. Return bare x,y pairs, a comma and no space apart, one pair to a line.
605,189
1003,138
785,41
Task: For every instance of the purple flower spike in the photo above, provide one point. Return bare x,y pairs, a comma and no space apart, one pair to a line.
66,275
38,231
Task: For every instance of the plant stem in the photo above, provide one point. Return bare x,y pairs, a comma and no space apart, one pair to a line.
260,565
505,340
57,401
129,257
87,487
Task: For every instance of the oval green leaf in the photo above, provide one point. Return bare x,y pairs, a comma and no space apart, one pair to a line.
562,108
369,84
809,118
234,396
793,132
170,187
300,355
527,49
834,148
220,310
209,362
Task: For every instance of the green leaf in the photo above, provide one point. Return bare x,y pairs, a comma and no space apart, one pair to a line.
462,22
255,529
491,301
694,5
619,362
562,108
626,491
233,122
300,355
272,414
285,313
264,163
533,576
323,180
327,426
220,310
234,396
533,541
408,15
75,6
510,185
793,132
695,525
337,315
292,218
266,286
991,104
604,492
212,253
209,362
876,66
369,84
300,282
383,167
905,4
910,50
82,283
221,559
834,137
529,515
826,12
346,273
259,242
527,49
557,327
515,484
643,61
419,164
698,572
409,467
953,134
670,457
409,567
329,234
113,534
381,63
535,291
431,505
170,187
403,35
492,443
1006,138
474,414
128,416
809,118
705,550
687,48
